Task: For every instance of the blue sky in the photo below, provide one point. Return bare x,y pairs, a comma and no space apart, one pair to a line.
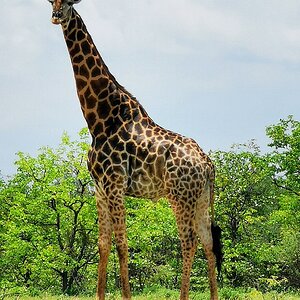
218,71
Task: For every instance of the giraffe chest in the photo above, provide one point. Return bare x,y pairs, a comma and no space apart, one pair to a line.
137,166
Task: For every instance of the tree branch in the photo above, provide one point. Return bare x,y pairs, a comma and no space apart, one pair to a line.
287,188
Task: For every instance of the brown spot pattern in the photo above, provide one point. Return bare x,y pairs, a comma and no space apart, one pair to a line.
132,155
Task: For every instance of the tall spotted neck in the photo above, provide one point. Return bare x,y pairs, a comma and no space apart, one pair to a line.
105,104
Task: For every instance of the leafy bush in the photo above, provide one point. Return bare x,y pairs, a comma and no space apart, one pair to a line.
48,224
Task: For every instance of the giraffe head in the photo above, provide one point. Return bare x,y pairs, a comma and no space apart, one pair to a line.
61,10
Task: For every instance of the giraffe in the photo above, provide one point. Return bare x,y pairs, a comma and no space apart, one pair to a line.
131,155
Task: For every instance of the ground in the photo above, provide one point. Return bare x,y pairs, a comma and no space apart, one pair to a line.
229,294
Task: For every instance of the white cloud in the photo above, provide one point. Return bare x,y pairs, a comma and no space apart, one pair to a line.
264,29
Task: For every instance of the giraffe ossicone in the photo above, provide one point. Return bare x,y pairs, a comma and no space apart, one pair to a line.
132,155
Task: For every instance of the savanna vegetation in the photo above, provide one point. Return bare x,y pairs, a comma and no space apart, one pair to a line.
48,225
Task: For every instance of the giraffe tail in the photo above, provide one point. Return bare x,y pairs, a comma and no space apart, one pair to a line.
216,232
217,246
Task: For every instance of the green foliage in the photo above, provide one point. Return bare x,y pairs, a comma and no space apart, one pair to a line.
48,225
285,162
50,222
285,158
244,198
153,242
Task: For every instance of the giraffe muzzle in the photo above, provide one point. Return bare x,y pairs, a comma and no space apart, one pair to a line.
57,16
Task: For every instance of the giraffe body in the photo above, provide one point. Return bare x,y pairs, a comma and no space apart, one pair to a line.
132,155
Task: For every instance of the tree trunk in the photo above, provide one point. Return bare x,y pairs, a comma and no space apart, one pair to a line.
65,287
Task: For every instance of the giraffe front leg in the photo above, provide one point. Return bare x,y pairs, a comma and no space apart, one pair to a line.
119,227
105,241
104,251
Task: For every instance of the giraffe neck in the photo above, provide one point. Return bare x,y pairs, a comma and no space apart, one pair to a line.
104,102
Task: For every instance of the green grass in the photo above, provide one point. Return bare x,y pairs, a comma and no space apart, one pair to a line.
162,294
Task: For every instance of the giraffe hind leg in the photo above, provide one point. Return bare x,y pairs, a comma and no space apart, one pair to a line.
203,228
188,239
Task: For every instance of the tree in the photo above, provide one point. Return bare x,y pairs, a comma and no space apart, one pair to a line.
48,222
51,229
285,158
154,246
245,197
285,162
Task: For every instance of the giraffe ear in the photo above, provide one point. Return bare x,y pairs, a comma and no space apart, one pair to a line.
74,1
